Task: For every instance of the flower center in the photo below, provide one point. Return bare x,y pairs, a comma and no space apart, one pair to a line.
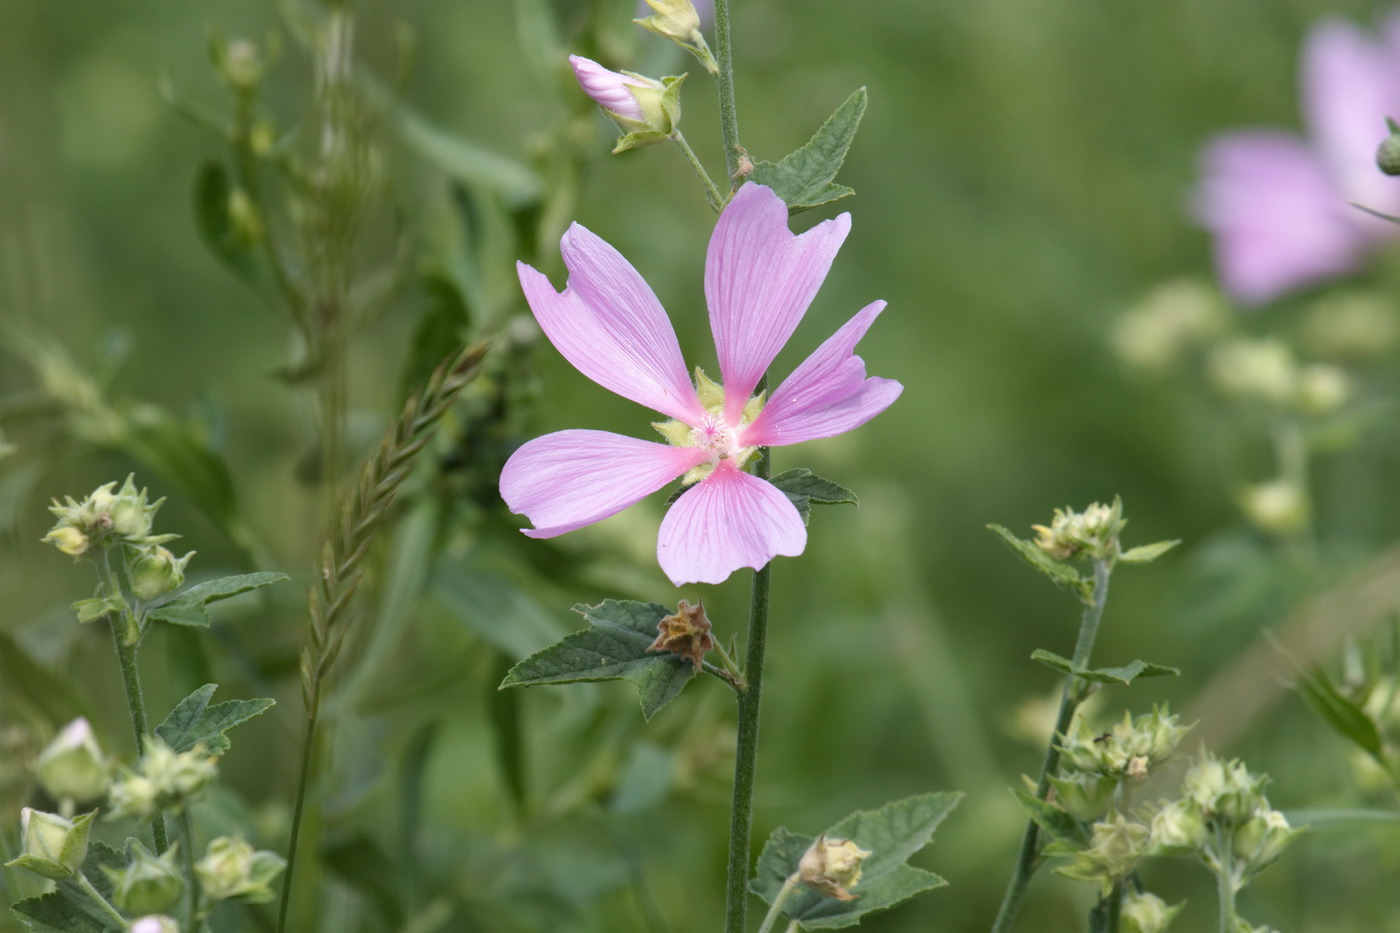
713,432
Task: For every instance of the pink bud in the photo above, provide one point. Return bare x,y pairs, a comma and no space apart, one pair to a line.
609,89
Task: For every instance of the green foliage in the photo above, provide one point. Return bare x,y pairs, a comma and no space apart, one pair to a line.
1346,718
1058,823
613,647
892,834
803,487
69,909
90,610
804,178
194,722
1104,675
1147,553
187,608
1060,573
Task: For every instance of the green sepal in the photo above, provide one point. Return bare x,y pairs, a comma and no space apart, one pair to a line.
639,138
194,722
1057,822
803,179
892,834
613,647
1104,675
68,909
187,608
1345,718
90,610
1147,553
803,487
1060,573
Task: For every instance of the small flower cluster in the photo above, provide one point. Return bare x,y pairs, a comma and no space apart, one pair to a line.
1091,534
162,780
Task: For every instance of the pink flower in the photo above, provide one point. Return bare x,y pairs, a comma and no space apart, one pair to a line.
759,280
1278,205
614,91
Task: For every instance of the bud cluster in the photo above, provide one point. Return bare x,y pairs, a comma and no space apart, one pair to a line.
1128,751
1091,534
105,518
163,779
1242,834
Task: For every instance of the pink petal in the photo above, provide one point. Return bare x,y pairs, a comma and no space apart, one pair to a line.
759,279
728,520
607,88
1349,86
608,323
1279,222
569,479
828,394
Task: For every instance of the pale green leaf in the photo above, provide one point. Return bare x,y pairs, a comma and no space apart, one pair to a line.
1346,718
1060,573
195,722
90,610
187,608
804,178
1058,823
1123,675
1146,553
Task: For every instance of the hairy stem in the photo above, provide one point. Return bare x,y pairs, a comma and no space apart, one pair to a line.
191,882
712,193
99,900
1070,698
724,83
775,910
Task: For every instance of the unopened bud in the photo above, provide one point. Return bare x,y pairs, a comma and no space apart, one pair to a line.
1146,913
1114,849
1085,796
73,767
1322,389
1262,838
1388,154
149,883
645,110
831,867
163,779
52,846
1225,789
1279,507
1092,533
1262,370
1179,828
69,540
231,868
679,21
154,923
154,571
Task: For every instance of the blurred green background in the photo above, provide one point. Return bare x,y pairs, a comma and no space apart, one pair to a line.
1022,174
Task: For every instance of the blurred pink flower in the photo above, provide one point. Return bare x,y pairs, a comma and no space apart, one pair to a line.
759,279
1278,205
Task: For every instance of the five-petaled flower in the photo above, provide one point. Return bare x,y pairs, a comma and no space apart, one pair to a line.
1278,205
759,280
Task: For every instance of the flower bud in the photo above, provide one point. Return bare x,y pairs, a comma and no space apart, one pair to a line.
1170,320
1114,849
104,518
73,767
231,868
1351,325
154,923
69,540
1322,389
832,866
1083,795
1262,838
1091,534
163,778
52,846
1225,790
1179,828
154,571
1261,370
1279,507
149,883
1146,913
1131,749
679,21
1388,153
644,109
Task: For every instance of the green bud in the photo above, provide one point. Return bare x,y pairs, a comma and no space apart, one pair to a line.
1279,507
69,540
1091,534
154,923
104,518
1225,790
1085,796
154,571
231,868
52,846
1179,828
163,779
149,883
1260,370
1261,839
1113,851
1146,913
1154,335
1131,749
1388,154
678,21
1322,389
831,867
73,767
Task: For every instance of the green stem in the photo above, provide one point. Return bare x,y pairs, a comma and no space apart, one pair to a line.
307,748
774,911
746,751
191,883
712,193
107,908
1225,880
736,676
724,83
1115,908
131,677
1070,698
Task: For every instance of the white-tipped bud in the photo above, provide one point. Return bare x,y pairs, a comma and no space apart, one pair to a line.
72,766
154,923
50,845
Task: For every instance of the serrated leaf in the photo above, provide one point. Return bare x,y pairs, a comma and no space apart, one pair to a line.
891,834
194,722
1123,675
1057,822
68,909
187,608
804,178
1146,553
90,610
1060,573
1345,717
613,647
803,487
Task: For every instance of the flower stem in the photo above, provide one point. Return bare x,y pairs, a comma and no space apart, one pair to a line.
1225,880
736,676
711,192
191,883
746,752
1115,908
724,83
303,781
81,880
131,677
1070,698
775,910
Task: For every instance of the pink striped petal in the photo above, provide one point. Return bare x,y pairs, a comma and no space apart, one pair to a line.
728,520
608,323
569,479
828,394
759,279
1279,222
608,89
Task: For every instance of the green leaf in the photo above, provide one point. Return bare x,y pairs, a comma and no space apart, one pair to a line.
803,487
1104,675
1060,573
212,193
90,610
891,834
804,179
68,909
1057,822
1146,553
187,608
613,647
194,722
1345,717
514,181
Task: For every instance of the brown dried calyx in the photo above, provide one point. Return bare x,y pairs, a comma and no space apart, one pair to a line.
685,634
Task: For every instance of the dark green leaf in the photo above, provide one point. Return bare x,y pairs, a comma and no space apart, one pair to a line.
1345,717
891,834
804,179
1060,573
219,229
613,647
1057,823
194,722
187,608
68,909
803,487
1104,675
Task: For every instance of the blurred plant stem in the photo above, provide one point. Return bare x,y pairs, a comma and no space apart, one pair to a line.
724,83
122,623
1225,881
712,193
1074,693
